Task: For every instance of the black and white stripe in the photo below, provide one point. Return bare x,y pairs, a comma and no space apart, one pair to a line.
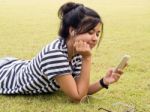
37,76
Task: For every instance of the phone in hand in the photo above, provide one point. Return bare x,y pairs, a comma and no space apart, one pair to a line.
123,62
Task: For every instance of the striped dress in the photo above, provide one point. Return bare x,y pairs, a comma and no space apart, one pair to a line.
38,75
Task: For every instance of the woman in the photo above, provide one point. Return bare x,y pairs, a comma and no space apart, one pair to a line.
63,64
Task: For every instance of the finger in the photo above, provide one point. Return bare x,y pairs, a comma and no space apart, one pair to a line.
116,77
75,43
81,44
88,46
78,44
84,45
119,71
110,71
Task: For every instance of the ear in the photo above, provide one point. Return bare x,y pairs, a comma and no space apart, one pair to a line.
71,31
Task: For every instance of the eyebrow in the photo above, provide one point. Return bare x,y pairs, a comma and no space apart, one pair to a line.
97,31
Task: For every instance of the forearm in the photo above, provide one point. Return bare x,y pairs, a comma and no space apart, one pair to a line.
95,87
83,81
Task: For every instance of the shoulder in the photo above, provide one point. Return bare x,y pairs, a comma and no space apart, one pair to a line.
56,50
54,54
56,46
58,43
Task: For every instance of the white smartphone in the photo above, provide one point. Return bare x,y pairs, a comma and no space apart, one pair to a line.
123,62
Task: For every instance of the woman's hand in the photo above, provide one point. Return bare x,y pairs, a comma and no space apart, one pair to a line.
111,76
82,48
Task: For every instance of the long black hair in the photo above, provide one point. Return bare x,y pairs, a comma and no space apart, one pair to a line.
81,18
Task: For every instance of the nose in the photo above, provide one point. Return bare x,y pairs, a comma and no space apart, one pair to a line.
95,37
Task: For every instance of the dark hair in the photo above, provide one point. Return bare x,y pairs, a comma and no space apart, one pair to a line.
76,15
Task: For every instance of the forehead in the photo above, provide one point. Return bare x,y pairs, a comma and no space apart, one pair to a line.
98,27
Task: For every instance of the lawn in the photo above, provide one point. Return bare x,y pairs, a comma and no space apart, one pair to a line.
26,26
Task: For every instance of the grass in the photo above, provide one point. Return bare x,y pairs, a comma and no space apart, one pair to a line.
26,26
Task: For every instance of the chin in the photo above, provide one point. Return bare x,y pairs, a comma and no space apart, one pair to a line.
92,46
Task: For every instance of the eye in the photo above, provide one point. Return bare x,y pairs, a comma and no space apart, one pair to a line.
97,34
91,32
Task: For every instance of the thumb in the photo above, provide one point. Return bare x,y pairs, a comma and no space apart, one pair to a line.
110,71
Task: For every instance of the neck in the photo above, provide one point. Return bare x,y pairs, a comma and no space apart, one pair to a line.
70,49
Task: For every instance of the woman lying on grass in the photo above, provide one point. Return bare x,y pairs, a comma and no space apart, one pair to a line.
63,64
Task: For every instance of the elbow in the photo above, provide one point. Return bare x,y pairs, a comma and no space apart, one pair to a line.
78,98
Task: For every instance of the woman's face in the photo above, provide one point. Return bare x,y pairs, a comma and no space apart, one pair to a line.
90,37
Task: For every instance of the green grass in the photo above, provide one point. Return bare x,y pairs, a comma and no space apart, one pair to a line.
26,26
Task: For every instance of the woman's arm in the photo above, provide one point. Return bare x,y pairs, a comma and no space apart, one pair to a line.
110,78
95,87
76,90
